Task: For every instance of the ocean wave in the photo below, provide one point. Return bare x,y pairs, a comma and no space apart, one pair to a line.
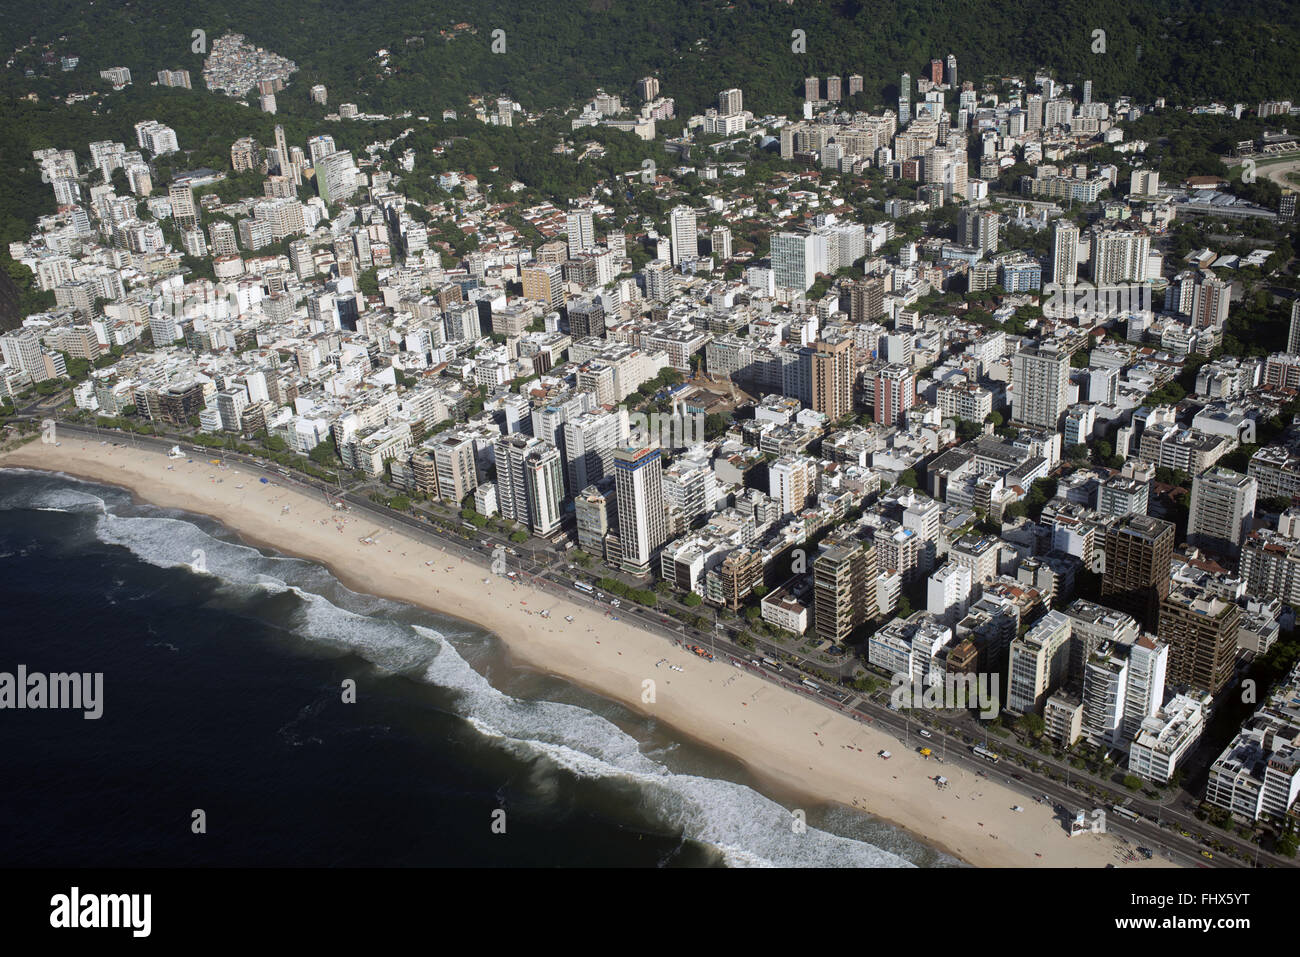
748,829
42,497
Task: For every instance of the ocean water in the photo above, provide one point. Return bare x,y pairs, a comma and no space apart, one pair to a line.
223,693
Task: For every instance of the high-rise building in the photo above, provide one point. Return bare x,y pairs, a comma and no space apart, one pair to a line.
720,239
530,482
1139,550
731,102
947,593
1087,92
1148,666
660,281
1033,112
812,88
797,258
454,470
1065,253
1144,182
21,350
590,440
867,299
1210,302
895,393
184,212
833,93
505,111
1202,636
790,480
832,377
952,70
544,478
1222,511
978,228
193,243
155,137
905,99
647,88
1039,663
245,154
844,587
300,257
222,234
1293,338
642,517
1093,626
684,234
336,176
855,83
544,284
1123,685
581,230
1119,255
177,78
319,147
287,167
586,318
1040,377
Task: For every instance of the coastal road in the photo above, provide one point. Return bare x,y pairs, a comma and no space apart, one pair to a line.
547,577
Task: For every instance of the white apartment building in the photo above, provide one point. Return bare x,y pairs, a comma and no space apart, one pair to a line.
1165,737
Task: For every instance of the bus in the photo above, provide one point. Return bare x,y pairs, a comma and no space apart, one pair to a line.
811,684
1126,812
582,586
990,756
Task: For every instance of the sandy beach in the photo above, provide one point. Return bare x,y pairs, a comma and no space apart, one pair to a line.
797,744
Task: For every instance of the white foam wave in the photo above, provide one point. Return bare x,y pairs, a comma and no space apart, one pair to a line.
748,828
57,500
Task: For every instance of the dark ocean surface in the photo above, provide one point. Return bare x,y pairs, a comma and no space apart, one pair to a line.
223,691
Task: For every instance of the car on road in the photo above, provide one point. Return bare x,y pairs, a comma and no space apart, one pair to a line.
615,602
925,734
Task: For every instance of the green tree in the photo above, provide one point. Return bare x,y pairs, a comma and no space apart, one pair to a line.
323,454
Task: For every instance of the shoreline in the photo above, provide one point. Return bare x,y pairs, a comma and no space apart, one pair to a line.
786,741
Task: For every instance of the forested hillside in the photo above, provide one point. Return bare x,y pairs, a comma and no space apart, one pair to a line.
557,50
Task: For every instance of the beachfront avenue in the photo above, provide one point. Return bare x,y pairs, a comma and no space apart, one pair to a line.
954,740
